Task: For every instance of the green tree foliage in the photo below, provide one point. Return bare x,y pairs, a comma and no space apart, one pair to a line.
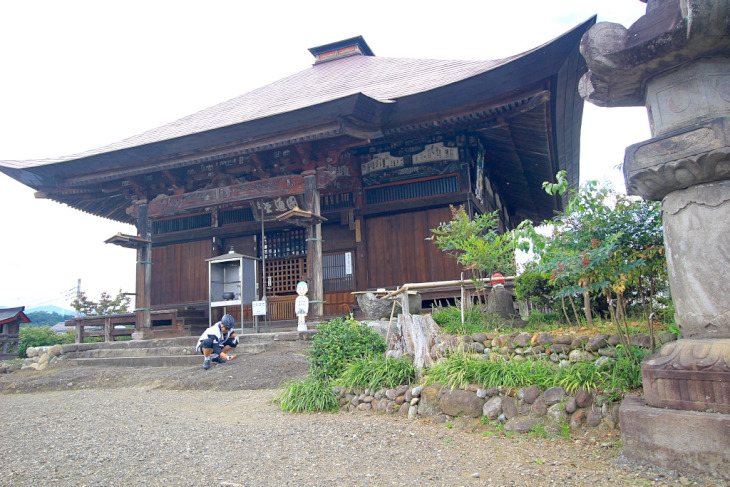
475,242
43,318
534,287
603,243
40,336
339,342
105,306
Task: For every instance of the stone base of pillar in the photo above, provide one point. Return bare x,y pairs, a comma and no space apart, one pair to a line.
143,334
689,442
689,374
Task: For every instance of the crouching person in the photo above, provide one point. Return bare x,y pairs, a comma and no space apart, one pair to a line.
217,341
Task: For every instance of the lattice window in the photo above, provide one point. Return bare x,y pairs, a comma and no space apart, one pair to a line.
413,189
286,243
338,272
336,201
282,275
181,223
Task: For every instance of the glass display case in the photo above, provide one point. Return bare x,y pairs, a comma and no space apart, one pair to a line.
232,284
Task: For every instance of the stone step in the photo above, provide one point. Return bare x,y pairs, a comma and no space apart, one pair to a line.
159,361
249,348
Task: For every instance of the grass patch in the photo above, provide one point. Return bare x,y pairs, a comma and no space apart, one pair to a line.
461,369
307,395
377,373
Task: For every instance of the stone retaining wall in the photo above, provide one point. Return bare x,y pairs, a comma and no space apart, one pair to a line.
520,410
525,345
39,358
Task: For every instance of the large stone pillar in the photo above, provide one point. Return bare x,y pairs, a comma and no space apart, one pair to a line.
675,60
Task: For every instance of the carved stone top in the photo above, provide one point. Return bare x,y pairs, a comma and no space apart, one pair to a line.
672,32
699,154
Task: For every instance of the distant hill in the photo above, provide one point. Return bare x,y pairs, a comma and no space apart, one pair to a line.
50,309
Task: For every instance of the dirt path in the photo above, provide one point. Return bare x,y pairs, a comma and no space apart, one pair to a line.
97,426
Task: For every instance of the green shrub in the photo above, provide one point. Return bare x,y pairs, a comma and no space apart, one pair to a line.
378,372
308,395
339,342
40,336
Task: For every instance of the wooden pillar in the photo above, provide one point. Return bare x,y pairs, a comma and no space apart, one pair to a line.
361,249
314,247
144,278
108,330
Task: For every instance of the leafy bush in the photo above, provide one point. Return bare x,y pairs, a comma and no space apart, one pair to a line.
40,336
534,287
339,342
378,372
308,395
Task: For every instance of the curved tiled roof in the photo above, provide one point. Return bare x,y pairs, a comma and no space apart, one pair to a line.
382,79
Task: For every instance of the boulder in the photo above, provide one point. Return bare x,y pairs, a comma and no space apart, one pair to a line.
523,339
583,398
381,327
577,419
594,417
461,403
429,401
539,408
563,339
556,414
520,425
528,394
598,341
559,348
479,337
580,356
640,340
554,395
570,405
666,337
509,408
544,339
493,407
376,308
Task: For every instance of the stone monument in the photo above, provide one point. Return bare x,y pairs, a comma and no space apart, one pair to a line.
675,60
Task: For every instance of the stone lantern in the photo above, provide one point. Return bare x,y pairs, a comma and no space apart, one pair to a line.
675,60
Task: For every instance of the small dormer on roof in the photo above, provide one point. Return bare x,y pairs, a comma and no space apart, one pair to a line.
353,46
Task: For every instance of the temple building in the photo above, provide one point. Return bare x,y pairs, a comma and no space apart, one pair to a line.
334,175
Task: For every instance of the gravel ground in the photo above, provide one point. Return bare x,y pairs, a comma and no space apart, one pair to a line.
85,427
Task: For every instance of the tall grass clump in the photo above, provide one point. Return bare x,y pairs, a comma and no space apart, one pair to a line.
625,372
378,372
460,369
307,395
449,319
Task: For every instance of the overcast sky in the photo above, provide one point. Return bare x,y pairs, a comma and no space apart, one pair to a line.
77,75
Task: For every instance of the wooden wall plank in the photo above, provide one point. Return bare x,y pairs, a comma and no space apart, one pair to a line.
398,251
180,272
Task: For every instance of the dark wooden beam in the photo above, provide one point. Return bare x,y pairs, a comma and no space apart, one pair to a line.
164,205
